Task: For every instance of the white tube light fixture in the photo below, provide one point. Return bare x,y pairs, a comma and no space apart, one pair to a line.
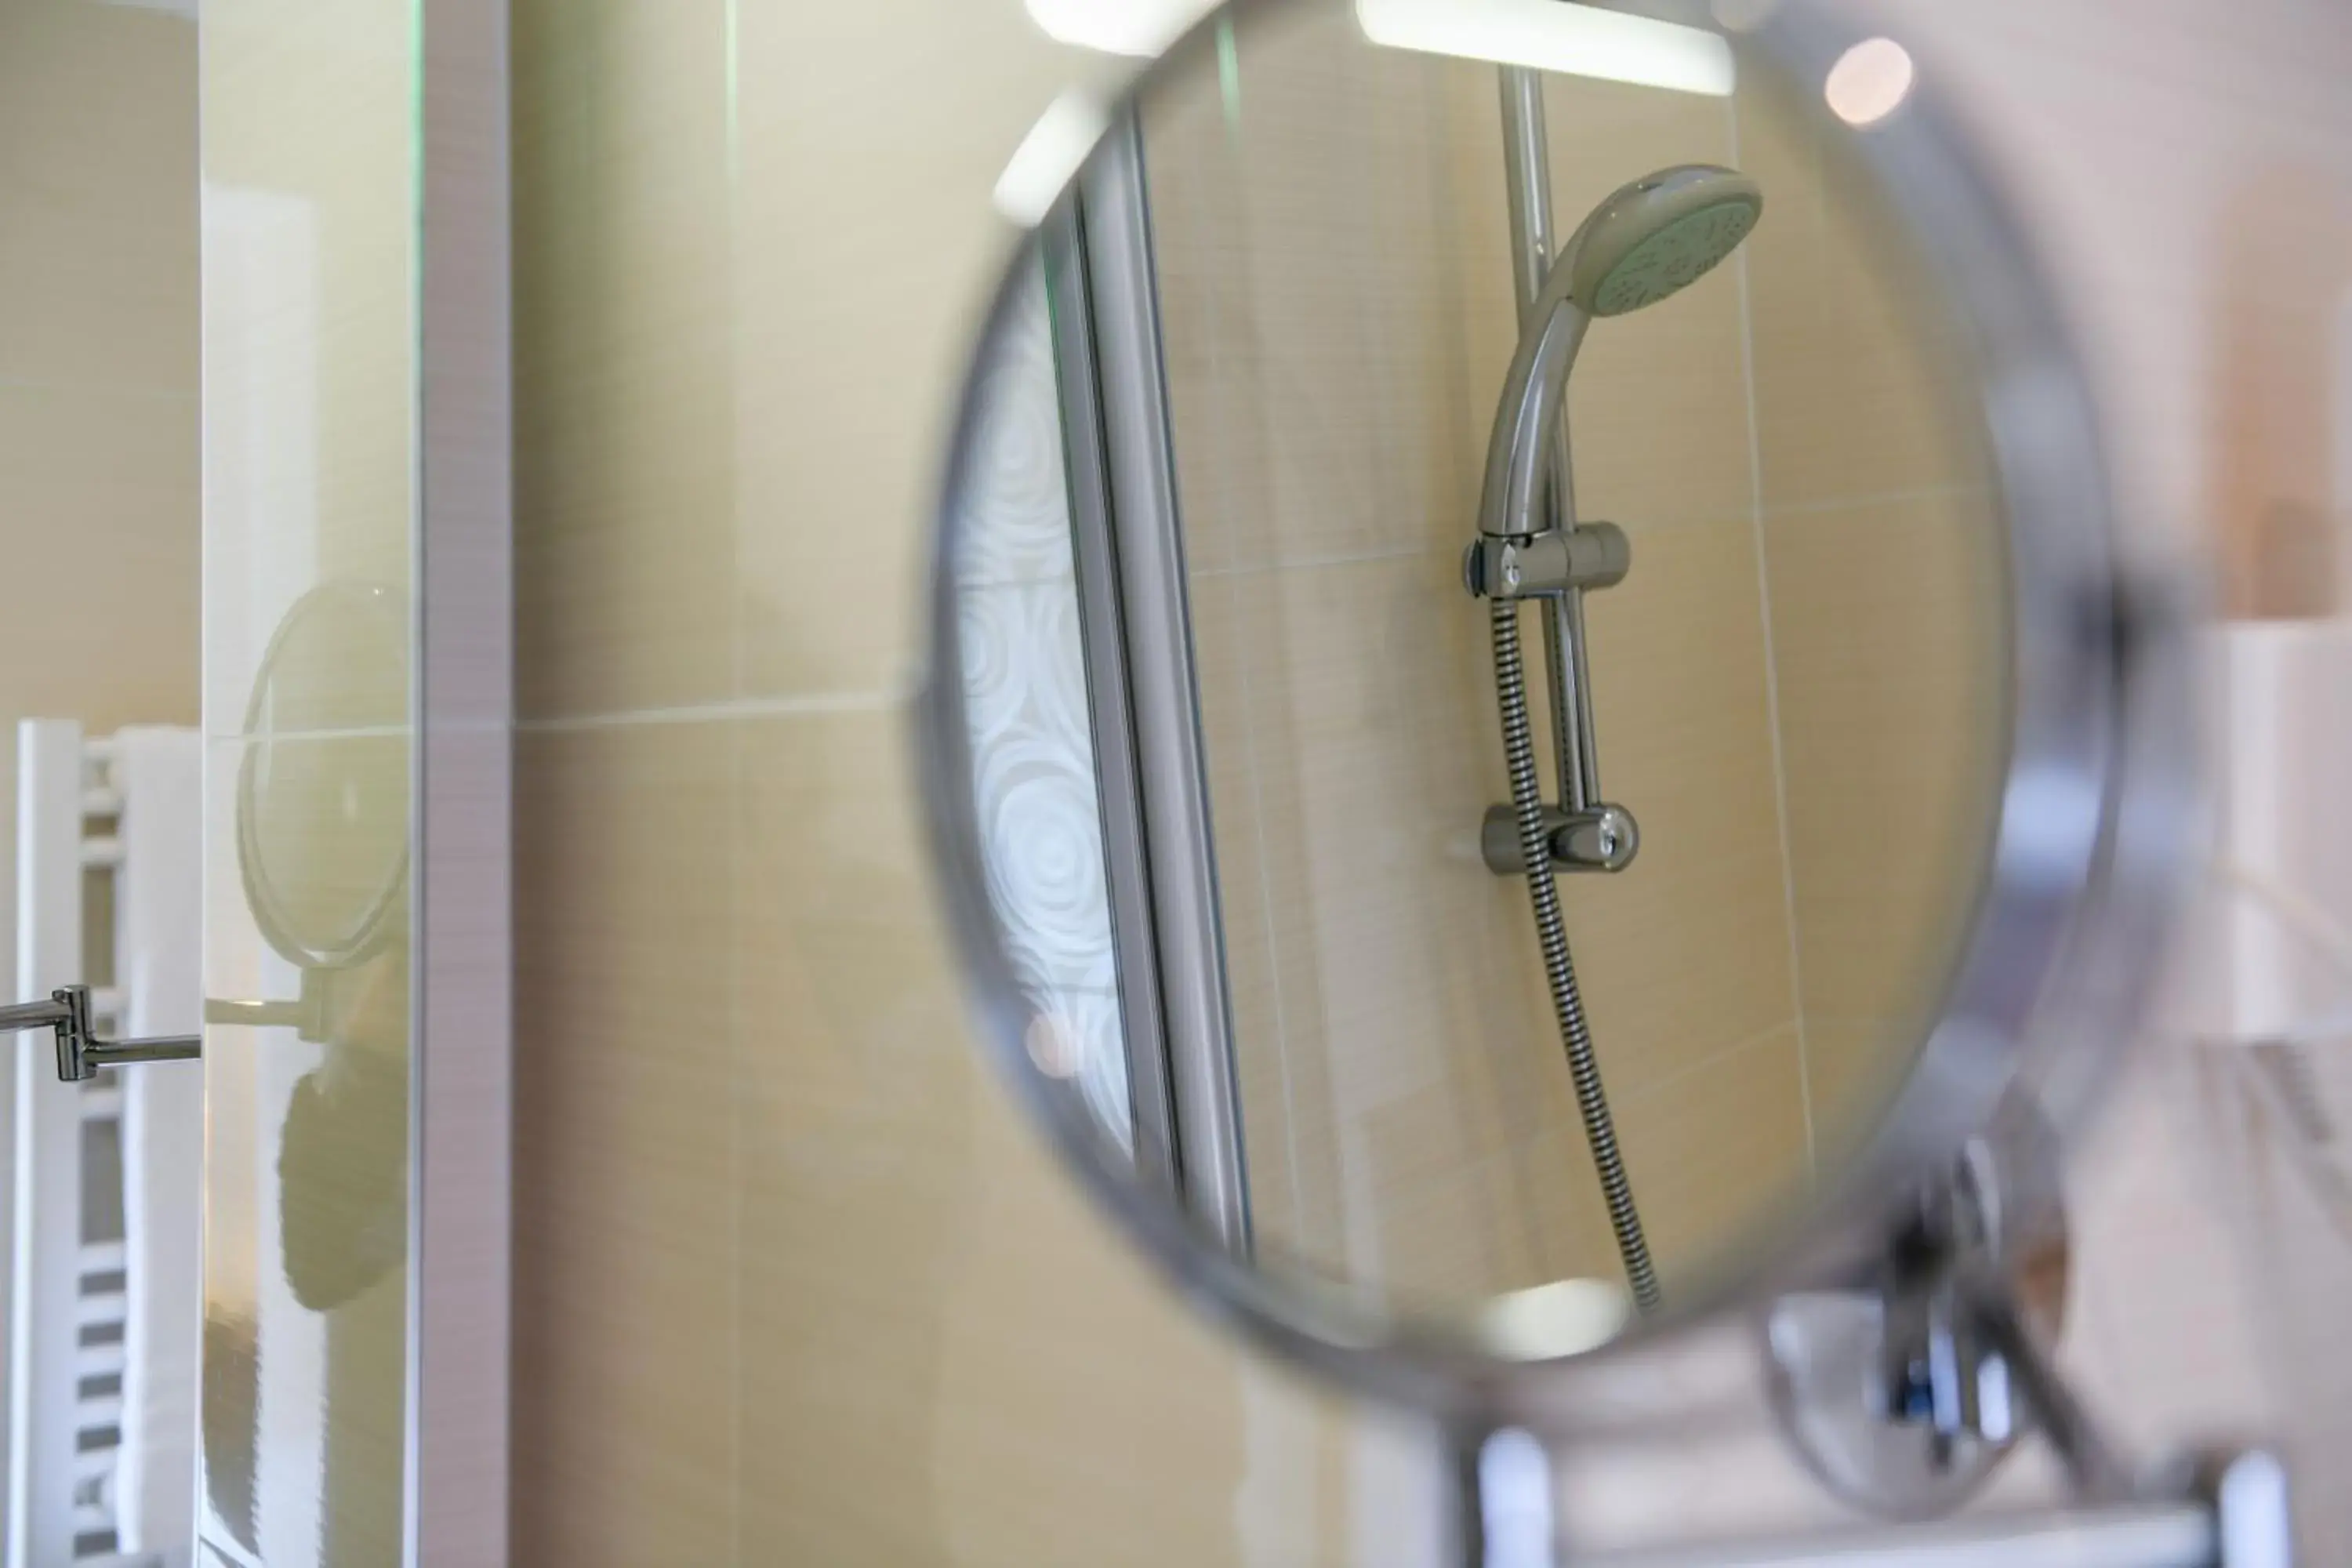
1050,156
1143,27
1555,36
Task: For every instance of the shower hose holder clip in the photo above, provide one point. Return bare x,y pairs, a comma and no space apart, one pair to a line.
1586,834
1555,560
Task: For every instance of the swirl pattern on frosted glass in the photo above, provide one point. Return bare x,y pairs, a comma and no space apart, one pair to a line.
1026,695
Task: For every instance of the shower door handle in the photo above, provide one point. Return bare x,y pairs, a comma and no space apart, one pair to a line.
80,1052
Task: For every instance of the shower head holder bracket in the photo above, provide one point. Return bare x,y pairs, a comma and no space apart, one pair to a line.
1555,560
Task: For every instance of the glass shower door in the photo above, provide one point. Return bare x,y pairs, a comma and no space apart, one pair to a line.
357,615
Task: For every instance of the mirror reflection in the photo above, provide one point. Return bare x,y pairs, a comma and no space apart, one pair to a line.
1244,712
102,775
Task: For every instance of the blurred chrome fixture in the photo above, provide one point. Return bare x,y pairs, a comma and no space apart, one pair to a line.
80,1053
1943,1340
1553,35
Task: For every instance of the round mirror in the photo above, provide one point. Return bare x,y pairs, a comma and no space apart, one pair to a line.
326,764
1427,440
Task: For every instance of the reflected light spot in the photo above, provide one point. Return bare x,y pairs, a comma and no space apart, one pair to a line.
1049,157
1870,81
1117,27
1053,1045
1565,1318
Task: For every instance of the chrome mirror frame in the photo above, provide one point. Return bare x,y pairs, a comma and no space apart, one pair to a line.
2088,863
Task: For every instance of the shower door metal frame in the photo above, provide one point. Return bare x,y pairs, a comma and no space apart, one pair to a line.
1143,690
457,1475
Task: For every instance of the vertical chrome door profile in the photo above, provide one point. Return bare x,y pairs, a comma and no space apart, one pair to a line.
1126,517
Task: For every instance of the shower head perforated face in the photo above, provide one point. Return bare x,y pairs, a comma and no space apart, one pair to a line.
1660,235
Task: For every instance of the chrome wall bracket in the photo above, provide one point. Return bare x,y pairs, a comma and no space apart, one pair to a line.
1557,561
80,1052
1605,838
1556,568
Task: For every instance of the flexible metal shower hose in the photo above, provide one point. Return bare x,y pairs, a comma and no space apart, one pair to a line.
1551,931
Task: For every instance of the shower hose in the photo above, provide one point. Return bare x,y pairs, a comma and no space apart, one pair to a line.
1560,970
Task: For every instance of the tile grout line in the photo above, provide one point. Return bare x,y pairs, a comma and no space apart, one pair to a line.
738,675
1868,500
1318,562
1757,507
721,712
1715,1058
738,1107
352,733
1265,905
1772,672
98,389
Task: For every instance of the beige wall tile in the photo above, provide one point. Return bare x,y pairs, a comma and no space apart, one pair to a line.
1463,1203
936,1352
1291,1177
626,1164
626,276
1715,1153
1889,625
98,261
100,488
869,138
1323,411
1366,783
853,1113
1862,383
1854,1068
1686,952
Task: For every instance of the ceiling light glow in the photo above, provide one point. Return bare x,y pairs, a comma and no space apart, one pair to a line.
1554,35
1143,27
1869,83
1048,158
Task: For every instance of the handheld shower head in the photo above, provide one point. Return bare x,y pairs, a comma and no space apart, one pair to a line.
1651,239
1658,236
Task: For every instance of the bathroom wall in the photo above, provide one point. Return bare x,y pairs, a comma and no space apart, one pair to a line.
1797,689
308,392
99,414
98,468
1886,581
794,1283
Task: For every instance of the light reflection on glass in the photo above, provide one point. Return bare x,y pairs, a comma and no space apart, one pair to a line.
1869,83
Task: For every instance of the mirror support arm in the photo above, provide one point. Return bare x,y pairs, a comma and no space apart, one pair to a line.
80,1052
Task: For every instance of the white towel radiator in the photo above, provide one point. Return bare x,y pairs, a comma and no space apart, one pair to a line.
68,1265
